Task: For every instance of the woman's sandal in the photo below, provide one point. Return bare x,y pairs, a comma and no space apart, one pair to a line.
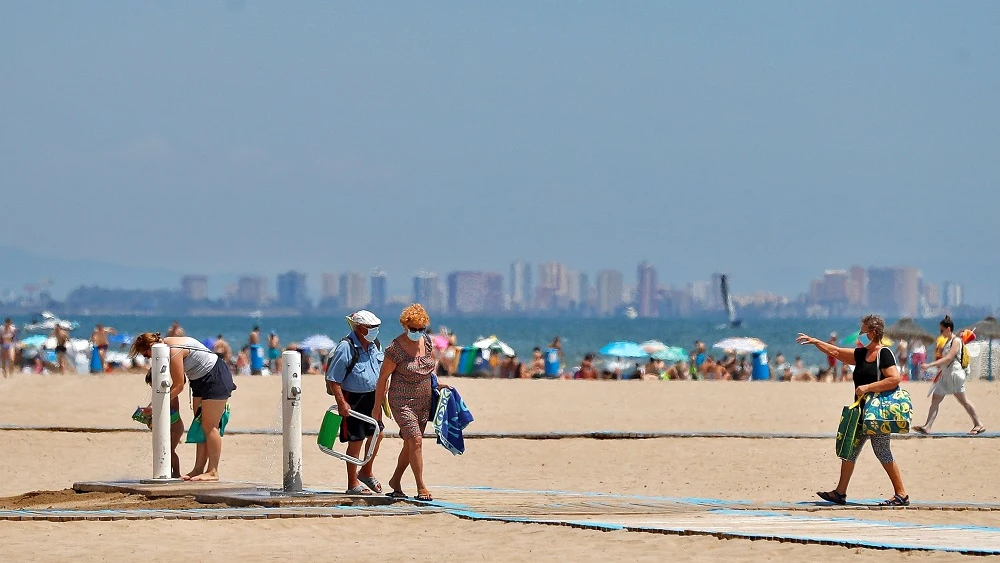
977,430
358,490
920,430
425,497
896,500
372,483
396,495
833,496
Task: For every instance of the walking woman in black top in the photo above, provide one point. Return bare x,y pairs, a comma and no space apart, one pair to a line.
875,371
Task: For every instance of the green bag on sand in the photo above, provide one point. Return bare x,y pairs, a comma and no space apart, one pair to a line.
847,433
196,434
887,412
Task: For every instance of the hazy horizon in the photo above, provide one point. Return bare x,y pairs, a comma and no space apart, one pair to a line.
767,140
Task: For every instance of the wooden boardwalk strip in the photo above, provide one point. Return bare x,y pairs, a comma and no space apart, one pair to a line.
786,522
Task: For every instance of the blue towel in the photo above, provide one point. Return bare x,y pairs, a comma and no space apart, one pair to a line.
450,418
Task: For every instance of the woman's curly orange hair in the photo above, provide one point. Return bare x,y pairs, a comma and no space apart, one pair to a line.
415,316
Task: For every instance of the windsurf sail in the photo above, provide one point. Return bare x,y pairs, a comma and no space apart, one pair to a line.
727,300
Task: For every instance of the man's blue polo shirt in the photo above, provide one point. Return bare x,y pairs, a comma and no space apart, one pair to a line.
364,376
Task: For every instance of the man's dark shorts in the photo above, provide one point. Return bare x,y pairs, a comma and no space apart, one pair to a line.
352,429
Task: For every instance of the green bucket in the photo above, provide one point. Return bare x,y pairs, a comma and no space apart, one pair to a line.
329,430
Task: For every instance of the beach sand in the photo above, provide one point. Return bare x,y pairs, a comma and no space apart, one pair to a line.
759,470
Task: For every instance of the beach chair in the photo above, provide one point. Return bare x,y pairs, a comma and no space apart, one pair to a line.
329,430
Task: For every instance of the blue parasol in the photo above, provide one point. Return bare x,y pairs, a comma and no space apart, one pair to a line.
121,338
623,349
34,341
671,354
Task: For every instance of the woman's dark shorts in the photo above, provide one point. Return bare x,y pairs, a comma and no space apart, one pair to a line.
216,385
352,429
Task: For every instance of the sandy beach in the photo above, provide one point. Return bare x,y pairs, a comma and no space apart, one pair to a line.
757,470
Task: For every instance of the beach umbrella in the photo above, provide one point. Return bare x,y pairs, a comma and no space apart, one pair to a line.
623,349
653,346
494,343
121,338
907,329
670,354
988,329
34,341
318,342
741,345
852,339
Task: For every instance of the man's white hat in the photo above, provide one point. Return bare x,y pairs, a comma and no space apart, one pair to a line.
363,317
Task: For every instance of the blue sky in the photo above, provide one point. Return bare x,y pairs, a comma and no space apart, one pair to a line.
767,139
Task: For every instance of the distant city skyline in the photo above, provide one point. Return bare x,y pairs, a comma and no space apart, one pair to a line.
546,288
318,284
893,290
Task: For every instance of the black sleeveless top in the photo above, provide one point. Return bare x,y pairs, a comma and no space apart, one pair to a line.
866,372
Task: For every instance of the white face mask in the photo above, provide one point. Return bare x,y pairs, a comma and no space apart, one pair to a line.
372,334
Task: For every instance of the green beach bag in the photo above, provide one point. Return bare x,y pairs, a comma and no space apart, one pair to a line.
196,434
847,432
887,412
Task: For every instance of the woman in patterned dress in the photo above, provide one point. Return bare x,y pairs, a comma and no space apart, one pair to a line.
409,362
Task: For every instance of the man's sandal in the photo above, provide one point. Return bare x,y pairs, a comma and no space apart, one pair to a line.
833,496
896,500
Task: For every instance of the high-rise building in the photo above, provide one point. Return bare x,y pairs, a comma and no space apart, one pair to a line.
194,288
380,290
699,292
427,291
519,298
610,288
646,296
329,288
832,289
520,286
353,292
572,286
676,303
292,291
930,295
714,300
894,292
475,293
908,291
953,295
583,288
252,290
553,275
857,287
552,285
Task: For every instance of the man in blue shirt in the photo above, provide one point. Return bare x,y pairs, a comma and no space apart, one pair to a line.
351,378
